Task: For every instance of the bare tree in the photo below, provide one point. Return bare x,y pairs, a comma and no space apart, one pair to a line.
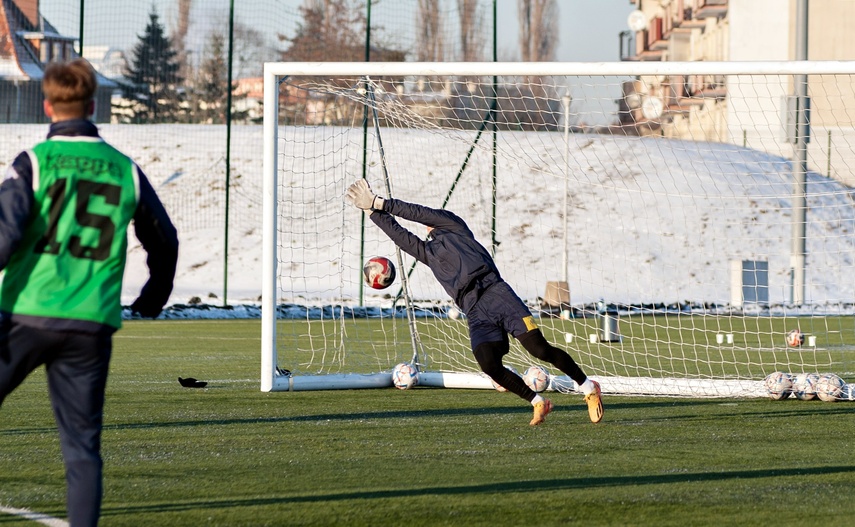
179,36
538,30
471,30
251,50
430,41
332,30
538,39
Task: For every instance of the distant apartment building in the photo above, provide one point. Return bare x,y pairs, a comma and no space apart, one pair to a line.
714,108
28,43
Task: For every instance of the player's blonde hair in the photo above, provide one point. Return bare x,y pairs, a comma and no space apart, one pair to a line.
69,86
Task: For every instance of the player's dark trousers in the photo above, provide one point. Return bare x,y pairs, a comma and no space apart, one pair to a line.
489,356
535,343
76,366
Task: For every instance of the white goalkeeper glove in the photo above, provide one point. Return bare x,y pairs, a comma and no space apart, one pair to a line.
360,196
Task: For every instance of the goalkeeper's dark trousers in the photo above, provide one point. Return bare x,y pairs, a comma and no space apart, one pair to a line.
489,356
76,366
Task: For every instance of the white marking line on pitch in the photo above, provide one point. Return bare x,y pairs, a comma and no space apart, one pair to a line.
44,519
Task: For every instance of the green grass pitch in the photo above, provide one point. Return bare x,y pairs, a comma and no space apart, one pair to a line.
230,455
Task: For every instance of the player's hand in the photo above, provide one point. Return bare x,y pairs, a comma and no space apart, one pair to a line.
360,196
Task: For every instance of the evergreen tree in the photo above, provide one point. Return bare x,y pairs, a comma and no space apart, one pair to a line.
153,87
213,76
212,88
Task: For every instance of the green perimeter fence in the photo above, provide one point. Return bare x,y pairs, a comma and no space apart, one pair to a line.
167,66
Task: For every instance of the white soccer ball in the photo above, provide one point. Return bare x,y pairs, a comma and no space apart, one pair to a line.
379,272
829,388
498,386
778,385
804,386
795,338
537,378
404,376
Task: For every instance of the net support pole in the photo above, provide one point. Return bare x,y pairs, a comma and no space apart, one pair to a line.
565,248
494,105
228,153
798,253
408,307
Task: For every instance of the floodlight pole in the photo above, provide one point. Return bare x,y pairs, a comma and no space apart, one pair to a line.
802,133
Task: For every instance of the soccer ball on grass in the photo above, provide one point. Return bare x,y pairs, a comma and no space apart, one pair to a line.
795,338
829,387
804,386
404,376
537,378
379,272
778,385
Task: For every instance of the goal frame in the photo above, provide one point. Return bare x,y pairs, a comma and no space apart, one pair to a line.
274,380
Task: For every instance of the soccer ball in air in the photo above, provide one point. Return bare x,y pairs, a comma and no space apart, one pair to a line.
795,338
404,376
537,378
804,386
498,386
379,272
778,385
829,387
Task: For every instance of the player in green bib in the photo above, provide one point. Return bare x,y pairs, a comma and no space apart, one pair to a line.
65,208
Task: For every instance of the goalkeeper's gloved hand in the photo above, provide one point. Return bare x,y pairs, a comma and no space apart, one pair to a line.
360,196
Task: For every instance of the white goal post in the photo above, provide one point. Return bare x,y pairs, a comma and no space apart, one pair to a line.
667,222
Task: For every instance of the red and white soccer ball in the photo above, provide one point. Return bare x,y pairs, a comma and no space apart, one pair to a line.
537,378
779,385
404,376
829,388
379,272
498,386
804,386
795,338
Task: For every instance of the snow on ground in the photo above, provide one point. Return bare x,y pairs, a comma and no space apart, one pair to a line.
652,220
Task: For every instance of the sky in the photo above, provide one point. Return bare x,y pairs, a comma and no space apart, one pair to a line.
588,29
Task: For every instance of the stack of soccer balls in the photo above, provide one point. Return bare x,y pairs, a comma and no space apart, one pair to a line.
807,386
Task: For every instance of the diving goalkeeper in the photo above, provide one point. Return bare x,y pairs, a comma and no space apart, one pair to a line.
469,275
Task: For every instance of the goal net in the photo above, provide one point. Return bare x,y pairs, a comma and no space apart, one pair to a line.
667,223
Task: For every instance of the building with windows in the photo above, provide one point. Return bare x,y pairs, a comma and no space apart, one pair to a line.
28,43
714,108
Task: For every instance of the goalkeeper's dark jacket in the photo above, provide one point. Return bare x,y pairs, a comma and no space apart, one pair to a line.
462,266
152,227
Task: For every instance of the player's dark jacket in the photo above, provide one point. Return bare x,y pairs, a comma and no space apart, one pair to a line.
152,226
462,266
